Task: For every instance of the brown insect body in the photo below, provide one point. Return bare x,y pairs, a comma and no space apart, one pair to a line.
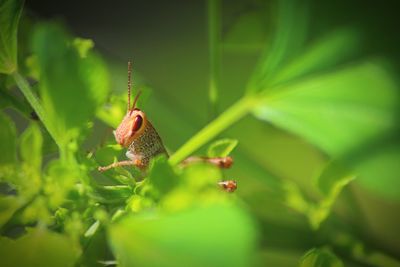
138,135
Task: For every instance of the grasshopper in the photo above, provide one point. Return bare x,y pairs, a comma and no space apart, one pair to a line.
137,134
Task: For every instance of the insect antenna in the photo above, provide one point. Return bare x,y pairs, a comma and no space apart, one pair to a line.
129,83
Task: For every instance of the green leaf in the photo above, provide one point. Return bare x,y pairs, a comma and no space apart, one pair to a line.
379,169
31,147
10,12
38,247
286,42
328,52
248,33
83,46
338,111
8,205
334,177
111,193
209,236
7,140
71,87
161,176
60,178
320,258
222,147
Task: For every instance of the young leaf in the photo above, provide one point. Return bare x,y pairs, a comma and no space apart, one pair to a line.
320,258
7,140
38,247
222,147
331,181
10,12
220,236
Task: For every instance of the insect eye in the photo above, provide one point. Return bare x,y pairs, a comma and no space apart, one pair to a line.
137,123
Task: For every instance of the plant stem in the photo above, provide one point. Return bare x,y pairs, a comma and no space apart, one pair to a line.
227,118
214,31
34,102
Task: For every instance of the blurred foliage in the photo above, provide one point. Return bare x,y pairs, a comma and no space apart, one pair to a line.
10,12
319,153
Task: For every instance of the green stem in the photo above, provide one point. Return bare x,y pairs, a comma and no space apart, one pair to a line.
226,119
214,31
34,102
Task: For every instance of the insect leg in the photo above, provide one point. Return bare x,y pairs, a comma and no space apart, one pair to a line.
120,164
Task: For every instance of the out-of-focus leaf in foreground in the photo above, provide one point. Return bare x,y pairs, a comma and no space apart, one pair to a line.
320,258
220,235
71,87
38,248
10,12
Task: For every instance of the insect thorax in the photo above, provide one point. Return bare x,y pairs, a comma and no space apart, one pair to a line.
147,145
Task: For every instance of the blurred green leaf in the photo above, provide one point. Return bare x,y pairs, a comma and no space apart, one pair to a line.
247,33
333,177
222,147
72,88
331,51
199,176
7,140
10,12
59,179
286,42
331,181
31,147
92,229
36,211
8,99
362,254
379,169
106,154
338,111
111,193
210,236
161,176
198,185
83,46
320,258
38,247
8,205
